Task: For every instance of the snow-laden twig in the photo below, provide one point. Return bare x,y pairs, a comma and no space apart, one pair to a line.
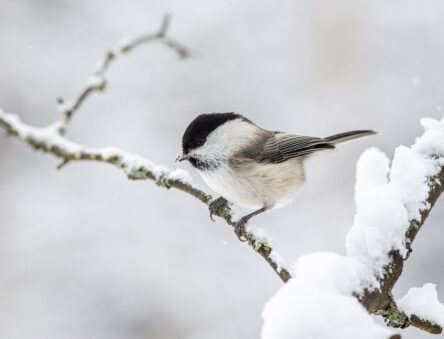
50,140
421,304
393,203
97,81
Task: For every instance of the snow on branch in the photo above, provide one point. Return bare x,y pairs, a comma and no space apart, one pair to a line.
340,290
52,140
48,139
422,305
416,182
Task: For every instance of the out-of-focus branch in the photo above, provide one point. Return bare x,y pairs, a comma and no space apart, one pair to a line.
97,81
49,140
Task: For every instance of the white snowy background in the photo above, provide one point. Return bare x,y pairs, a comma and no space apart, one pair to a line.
85,253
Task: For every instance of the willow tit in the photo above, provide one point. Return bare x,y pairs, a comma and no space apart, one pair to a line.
248,165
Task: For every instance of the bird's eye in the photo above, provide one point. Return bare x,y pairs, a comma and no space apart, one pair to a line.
200,141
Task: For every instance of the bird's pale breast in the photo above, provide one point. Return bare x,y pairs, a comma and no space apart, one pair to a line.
255,185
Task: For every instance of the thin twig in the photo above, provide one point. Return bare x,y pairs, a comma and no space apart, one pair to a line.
49,140
97,81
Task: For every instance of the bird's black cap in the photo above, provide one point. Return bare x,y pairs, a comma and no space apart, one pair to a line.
198,130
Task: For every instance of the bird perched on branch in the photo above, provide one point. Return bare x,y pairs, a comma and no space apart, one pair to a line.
248,165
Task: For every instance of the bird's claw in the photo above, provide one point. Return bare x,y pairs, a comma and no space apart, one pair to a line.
216,205
239,227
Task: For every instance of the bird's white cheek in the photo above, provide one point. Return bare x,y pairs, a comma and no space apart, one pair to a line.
209,153
227,139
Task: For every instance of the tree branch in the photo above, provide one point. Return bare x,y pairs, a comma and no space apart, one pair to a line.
49,140
398,319
381,301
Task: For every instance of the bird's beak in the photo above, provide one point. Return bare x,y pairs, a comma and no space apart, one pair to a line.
182,157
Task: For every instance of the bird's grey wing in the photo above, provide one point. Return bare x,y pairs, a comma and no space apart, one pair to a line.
282,146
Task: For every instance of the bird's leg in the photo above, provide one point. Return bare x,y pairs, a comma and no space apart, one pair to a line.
215,205
243,221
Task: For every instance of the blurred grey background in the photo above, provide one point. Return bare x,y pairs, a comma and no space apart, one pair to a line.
86,253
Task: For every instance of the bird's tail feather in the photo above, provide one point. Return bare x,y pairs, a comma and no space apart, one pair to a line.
346,136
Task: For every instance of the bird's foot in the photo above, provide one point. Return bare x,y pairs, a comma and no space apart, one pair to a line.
216,206
239,228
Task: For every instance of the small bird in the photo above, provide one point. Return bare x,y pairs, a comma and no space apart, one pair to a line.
248,165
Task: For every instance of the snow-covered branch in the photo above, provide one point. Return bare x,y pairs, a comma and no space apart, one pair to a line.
401,206
422,306
52,140
393,203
